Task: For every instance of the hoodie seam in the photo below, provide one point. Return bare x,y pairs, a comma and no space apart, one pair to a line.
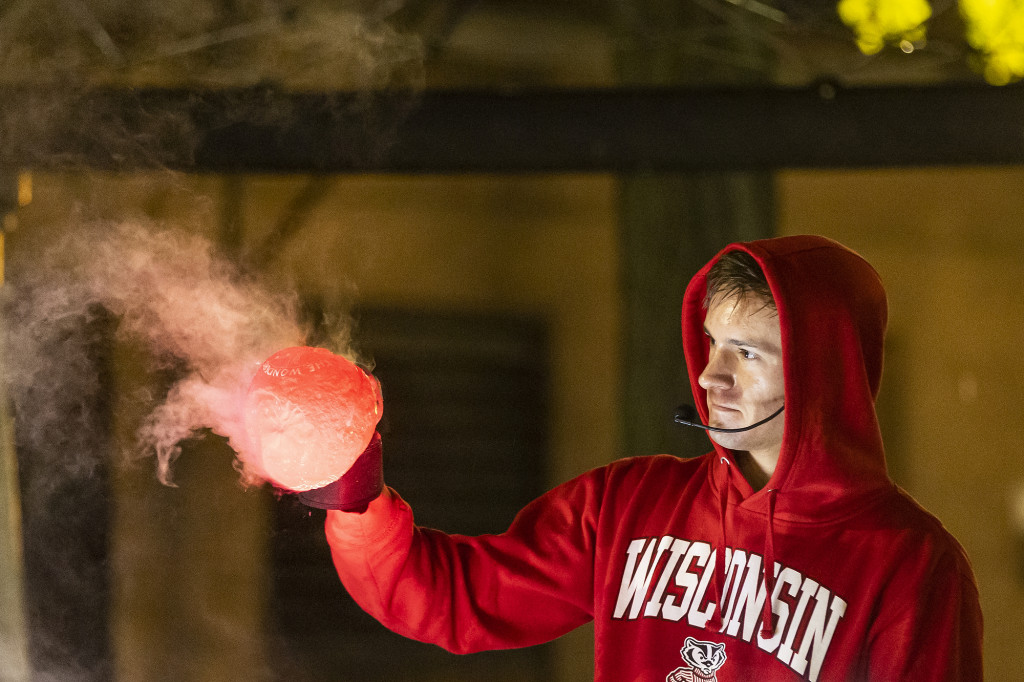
871,501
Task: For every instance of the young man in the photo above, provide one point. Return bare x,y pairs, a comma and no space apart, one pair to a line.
668,556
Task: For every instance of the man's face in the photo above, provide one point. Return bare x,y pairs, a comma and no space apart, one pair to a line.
743,378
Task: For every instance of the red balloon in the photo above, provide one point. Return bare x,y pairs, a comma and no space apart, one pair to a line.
309,414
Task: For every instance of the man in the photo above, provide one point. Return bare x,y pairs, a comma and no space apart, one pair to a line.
668,556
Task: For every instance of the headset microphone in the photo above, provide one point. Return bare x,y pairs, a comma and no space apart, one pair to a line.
687,415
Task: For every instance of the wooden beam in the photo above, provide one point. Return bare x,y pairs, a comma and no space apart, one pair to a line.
617,131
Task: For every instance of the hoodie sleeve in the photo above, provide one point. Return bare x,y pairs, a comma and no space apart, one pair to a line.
528,585
937,637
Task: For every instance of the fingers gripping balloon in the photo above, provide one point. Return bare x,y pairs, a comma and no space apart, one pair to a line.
311,416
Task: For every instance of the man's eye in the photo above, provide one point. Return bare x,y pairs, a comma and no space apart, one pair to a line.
747,355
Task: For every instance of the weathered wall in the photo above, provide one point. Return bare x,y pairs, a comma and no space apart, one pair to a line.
945,241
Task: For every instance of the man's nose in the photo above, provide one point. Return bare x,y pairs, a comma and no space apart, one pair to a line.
716,374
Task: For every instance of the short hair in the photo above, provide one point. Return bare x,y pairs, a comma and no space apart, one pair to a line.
737,274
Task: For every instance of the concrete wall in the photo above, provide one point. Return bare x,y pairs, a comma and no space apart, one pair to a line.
946,242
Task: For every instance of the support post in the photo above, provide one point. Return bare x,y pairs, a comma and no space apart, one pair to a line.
13,638
671,223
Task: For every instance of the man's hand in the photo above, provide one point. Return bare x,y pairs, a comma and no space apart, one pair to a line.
357,488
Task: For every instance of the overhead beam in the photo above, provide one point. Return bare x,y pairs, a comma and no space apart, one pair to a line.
265,130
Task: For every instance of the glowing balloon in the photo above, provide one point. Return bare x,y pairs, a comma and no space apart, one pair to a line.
309,414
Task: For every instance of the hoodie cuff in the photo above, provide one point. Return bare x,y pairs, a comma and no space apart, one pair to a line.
382,518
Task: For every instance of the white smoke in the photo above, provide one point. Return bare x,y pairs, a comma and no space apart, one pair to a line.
196,314
207,43
51,64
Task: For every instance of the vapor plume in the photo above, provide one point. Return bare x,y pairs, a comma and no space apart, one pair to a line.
73,83
202,322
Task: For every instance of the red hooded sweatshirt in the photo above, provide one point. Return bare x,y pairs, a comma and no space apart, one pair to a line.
667,556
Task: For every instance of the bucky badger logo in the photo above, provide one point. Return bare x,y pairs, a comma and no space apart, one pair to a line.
704,659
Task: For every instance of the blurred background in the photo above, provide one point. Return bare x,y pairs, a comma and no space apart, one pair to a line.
497,206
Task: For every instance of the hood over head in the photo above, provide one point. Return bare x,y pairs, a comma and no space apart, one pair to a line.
832,314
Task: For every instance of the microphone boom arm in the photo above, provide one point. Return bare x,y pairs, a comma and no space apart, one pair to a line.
687,415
